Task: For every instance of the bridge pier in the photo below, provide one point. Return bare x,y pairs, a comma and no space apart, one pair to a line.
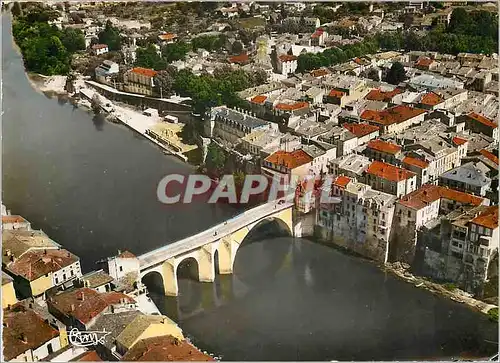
206,263
225,256
169,275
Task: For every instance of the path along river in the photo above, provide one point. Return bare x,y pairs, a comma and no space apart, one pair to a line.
91,186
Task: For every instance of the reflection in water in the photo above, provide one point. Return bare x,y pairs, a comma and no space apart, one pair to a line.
98,121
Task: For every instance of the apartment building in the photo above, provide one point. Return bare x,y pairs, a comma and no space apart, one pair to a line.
481,124
469,178
390,179
395,119
383,151
283,164
140,80
286,64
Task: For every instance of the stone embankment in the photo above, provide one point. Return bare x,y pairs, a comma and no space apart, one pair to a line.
402,271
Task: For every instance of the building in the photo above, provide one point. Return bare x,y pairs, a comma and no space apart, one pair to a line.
98,49
352,166
344,140
106,70
364,132
383,95
309,22
8,292
37,271
360,222
469,178
283,164
286,64
418,166
232,125
168,133
483,125
165,348
13,222
390,179
27,337
139,80
167,38
319,37
383,151
79,308
122,265
395,119
97,280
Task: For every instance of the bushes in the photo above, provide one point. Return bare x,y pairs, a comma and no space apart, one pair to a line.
493,315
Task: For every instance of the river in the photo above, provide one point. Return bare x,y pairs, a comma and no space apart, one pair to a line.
91,186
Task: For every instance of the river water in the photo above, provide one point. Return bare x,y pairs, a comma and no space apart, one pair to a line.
91,186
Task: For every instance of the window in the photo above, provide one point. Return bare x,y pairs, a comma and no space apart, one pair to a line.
57,280
409,214
64,276
374,228
72,273
121,268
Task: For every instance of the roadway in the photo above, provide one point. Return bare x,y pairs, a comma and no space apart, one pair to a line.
223,229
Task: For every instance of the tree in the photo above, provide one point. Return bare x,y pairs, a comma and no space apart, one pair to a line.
396,74
149,58
164,82
73,39
237,47
373,73
16,9
95,103
110,36
175,51
216,157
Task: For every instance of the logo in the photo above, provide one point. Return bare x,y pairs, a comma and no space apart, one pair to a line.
87,338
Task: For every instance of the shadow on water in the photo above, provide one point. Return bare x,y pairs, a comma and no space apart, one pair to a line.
98,121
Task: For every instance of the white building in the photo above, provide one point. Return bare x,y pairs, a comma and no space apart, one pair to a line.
286,64
99,49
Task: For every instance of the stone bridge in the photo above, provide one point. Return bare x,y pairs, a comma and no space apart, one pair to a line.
220,242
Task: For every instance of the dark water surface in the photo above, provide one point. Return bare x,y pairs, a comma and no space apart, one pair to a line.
92,187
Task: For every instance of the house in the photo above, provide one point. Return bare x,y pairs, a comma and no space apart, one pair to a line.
241,59
283,164
344,140
38,270
122,265
80,308
106,70
419,166
425,63
127,328
361,222
13,222
481,124
469,178
98,49
291,108
315,95
165,348
352,166
394,119
286,64
232,125
27,337
363,131
167,38
140,80
382,95
8,292
383,151
318,37
97,280
390,179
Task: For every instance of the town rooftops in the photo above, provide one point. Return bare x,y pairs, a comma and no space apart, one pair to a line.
467,173
458,141
489,155
144,71
23,330
126,254
13,219
36,263
388,171
240,59
239,117
341,181
17,242
392,115
260,99
99,46
95,279
290,160
424,62
488,218
319,72
361,129
287,58
419,163
484,120
431,99
85,304
384,146
385,96
167,36
291,106
336,93
429,193
114,324
165,349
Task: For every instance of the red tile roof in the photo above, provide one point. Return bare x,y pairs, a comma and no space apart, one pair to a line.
168,36
378,95
429,193
287,58
392,115
91,356
85,304
23,330
319,72
384,146
317,33
290,160
126,254
431,99
484,120
424,62
242,58
13,219
291,107
144,71
388,171
488,218
164,349
360,130
419,163
342,181
358,61
36,263
336,93
458,141
99,46
259,99
489,155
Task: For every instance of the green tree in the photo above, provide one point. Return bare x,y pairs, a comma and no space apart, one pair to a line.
396,74
95,104
175,51
16,9
237,47
73,39
149,58
110,36
216,157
